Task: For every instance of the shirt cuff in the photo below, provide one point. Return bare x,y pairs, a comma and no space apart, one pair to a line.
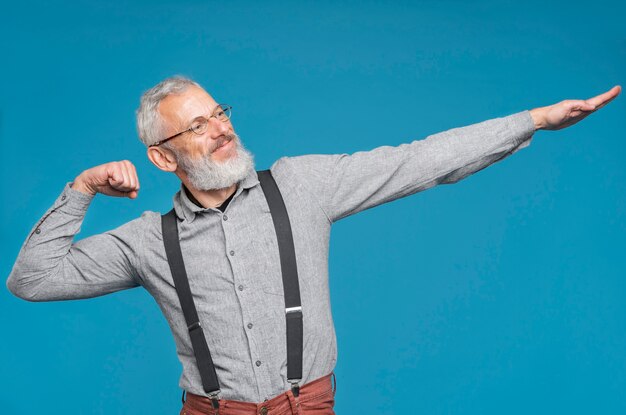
72,200
523,127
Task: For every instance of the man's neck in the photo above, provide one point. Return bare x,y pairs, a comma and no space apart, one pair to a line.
210,198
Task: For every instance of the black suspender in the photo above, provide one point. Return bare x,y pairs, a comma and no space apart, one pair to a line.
293,308
196,334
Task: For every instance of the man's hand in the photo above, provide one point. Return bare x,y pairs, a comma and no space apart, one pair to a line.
118,178
569,112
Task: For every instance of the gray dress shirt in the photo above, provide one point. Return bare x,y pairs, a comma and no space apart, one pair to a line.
232,257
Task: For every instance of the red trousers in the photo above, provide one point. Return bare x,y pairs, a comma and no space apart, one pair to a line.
316,398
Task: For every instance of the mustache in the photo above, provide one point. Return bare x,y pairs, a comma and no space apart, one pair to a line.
223,140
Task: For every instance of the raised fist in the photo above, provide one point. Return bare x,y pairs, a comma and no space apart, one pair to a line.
117,178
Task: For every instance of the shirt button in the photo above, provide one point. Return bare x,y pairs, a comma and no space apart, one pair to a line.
37,230
240,288
249,325
258,363
263,410
225,217
232,253
63,197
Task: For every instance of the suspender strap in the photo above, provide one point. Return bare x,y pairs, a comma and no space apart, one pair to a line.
198,341
293,307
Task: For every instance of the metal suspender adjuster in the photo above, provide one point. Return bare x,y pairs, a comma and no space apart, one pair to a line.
293,309
215,399
295,386
194,326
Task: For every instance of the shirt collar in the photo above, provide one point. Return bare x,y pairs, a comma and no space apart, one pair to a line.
188,210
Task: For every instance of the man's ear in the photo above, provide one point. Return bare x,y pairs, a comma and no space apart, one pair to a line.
162,158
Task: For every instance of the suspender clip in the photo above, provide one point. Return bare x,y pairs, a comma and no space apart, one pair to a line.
215,399
295,387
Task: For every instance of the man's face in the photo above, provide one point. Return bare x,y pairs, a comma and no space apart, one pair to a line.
215,159
179,112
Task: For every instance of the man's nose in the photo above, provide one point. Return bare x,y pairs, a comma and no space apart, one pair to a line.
220,127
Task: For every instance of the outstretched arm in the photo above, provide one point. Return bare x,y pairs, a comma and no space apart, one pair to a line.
344,184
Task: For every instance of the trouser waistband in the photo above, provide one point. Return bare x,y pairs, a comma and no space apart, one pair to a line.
318,393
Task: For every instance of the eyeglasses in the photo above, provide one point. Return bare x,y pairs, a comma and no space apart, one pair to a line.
200,125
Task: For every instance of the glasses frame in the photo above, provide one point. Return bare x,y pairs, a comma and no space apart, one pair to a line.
224,107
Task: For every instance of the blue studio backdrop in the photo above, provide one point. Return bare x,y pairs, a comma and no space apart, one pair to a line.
503,293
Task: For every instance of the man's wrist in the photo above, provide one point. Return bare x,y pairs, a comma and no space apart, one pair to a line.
537,116
82,187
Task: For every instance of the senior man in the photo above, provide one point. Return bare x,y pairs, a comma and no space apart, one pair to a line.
241,265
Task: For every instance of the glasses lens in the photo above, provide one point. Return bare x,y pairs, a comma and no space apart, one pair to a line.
199,127
222,112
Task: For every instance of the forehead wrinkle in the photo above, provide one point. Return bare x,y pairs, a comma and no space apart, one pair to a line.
182,109
195,107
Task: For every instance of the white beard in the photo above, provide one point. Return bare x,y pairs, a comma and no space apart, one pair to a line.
207,174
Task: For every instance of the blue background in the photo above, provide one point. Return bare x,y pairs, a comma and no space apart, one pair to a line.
504,293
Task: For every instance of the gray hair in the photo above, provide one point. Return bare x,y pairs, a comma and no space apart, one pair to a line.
149,122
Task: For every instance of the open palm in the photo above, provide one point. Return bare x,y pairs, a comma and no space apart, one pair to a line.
569,112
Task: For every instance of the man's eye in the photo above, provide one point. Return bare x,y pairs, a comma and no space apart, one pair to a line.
197,127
